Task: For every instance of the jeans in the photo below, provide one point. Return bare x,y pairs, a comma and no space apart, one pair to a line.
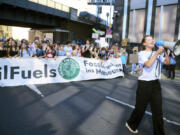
124,68
133,68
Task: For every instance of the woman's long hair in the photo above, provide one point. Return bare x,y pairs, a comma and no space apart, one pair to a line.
22,49
143,41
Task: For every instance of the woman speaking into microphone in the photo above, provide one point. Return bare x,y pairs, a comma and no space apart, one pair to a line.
149,89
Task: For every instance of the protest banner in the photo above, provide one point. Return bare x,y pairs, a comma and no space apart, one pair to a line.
24,71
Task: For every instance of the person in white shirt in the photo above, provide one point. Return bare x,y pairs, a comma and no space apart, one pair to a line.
149,89
68,49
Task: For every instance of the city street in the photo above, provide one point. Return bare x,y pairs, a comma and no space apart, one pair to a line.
58,58
97,107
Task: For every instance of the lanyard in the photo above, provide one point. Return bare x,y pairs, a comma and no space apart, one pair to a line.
157,68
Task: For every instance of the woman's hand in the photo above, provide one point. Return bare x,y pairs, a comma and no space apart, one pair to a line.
160,50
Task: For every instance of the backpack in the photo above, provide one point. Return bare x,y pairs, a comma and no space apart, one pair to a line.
172,61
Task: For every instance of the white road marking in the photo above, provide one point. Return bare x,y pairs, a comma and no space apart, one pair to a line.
35,89
148,113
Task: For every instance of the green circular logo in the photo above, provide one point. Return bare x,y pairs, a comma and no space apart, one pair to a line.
69,68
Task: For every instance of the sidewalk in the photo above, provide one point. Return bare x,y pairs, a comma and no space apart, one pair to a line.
177,75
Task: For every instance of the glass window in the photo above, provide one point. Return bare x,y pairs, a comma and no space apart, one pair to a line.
136,25
157,23
136,4
165,30
139,25
166,2
131,27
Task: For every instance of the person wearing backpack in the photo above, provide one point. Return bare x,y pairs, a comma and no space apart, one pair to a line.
149,88
172,65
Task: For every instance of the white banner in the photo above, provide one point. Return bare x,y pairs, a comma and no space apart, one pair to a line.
109,36
95,35
23,71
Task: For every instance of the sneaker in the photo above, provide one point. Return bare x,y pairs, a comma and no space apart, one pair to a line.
130,129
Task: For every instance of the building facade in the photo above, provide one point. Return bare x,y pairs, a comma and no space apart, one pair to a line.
159,18
5,32
134,19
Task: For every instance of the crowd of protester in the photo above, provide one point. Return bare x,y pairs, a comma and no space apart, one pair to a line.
45,49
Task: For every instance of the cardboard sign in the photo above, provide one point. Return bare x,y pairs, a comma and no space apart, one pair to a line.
133,58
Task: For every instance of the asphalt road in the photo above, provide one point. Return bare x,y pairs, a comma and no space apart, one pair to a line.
82,108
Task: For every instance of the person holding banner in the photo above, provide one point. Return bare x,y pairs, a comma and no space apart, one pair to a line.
149,89
95,52
24,51
102,54
13,49
60,51
3,52
68,48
